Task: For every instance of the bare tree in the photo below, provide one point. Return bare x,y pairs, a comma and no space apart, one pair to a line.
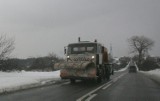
52,55
140,45
6,46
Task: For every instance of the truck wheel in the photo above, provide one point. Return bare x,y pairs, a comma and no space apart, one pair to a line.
72,81
108,76
99,79
112,72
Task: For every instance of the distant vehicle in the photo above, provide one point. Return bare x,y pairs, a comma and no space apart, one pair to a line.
85,60
132,69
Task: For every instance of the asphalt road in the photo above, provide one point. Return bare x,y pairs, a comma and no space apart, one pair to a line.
131,87
123,86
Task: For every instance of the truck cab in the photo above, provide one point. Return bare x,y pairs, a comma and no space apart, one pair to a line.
84,51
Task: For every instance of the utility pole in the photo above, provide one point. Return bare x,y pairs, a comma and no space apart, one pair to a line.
111,52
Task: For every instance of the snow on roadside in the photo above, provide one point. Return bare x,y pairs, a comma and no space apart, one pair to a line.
123,69
10,81
153,74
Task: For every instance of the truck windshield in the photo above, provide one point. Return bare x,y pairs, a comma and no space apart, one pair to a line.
82,48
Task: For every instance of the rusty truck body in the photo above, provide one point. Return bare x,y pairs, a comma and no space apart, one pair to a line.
85,60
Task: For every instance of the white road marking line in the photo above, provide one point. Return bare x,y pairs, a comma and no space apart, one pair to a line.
91,97
106,86
81,98
66,83
120,76
91,92
115,80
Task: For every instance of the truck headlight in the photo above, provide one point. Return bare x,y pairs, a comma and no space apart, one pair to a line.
67,57
92,57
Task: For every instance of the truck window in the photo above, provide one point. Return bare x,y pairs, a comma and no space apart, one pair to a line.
76,49
82,48
91,49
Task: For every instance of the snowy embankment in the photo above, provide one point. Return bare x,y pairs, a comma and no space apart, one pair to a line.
123,69
12,81
153,74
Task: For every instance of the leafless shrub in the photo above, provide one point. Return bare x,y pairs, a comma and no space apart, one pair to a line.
6,46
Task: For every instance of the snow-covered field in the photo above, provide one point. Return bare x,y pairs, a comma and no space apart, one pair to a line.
10,81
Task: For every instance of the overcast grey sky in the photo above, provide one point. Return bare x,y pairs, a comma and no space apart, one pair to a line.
43,26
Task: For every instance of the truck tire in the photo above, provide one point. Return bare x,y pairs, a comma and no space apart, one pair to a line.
72,81
99,79
108,76
100,76
112,72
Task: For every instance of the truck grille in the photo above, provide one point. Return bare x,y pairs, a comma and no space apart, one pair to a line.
81,59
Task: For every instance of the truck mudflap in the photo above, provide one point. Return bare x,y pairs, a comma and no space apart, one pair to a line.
77,70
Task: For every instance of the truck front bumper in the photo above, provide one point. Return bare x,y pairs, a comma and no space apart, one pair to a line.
78,74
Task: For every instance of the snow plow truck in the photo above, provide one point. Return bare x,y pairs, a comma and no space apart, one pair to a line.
85,61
